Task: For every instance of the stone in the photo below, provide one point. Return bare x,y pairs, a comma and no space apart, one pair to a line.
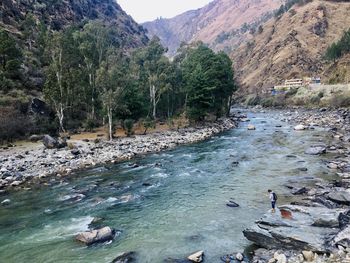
6,202
315,150
300,191
49,142
308,255
340,197
342,238
239,257
299,127
232,204
35,138
251,127
75,152
344,220
280,258
16,183
96,236
309,229
196,257
125,257
333,166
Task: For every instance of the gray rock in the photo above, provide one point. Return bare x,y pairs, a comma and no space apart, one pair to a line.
340,197
49,142
96,236
315,150
308,229
6,202
126,257
239,257
36,138
342,238
300,191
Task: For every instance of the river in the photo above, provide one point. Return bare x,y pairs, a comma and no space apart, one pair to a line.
172,204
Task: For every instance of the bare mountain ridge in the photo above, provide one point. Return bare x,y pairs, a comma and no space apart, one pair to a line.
293,45
207,23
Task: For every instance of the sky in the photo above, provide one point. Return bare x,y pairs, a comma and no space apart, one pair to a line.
148,10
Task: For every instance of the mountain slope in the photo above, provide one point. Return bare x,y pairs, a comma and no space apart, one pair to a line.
293,45
57,14
208,24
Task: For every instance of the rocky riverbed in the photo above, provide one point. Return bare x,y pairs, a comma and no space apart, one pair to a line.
37,164
316,228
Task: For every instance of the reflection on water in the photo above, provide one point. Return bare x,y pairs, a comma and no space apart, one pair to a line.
169,204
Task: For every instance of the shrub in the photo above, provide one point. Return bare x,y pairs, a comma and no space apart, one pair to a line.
340,100
128,127
252,100
90,124
13,124
148,123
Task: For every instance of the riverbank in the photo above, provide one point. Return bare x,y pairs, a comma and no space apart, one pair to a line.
22,166
316,228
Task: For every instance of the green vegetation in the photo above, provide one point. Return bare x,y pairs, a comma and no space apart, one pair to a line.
92,78
288,5
340,48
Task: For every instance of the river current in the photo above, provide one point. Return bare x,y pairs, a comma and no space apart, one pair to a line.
168,205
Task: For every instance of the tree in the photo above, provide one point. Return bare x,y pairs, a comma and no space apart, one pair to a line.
10,61
95,40
153,62
54,89
209,83
110,78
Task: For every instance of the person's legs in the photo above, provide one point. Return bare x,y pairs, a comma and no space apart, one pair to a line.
273,204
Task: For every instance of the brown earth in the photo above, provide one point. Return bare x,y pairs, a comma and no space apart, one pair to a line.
293,46
207,23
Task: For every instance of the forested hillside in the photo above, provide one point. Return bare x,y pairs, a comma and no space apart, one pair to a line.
88,64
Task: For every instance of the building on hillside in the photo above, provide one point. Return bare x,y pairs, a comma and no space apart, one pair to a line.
312,81
291,84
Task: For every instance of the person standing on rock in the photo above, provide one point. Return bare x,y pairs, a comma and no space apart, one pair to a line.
273,199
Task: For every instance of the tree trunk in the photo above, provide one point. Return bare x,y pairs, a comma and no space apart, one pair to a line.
60,115
229,104
110,123
153,100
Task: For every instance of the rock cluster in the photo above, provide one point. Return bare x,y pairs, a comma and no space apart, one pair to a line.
317,228
20,166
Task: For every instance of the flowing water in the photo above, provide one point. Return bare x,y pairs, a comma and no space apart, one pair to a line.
172,204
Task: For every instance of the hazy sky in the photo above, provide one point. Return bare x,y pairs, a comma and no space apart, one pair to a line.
147,10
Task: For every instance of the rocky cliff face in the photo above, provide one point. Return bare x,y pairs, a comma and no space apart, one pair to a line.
57,14
220,23
293,45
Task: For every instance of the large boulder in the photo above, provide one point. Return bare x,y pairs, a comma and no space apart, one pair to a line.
49,142
315,150
340,197
96,236
52,143
309,228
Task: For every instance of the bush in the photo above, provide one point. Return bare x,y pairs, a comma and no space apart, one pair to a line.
267,102
13,124
129,127
252,100
340,100
148,123
90,124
